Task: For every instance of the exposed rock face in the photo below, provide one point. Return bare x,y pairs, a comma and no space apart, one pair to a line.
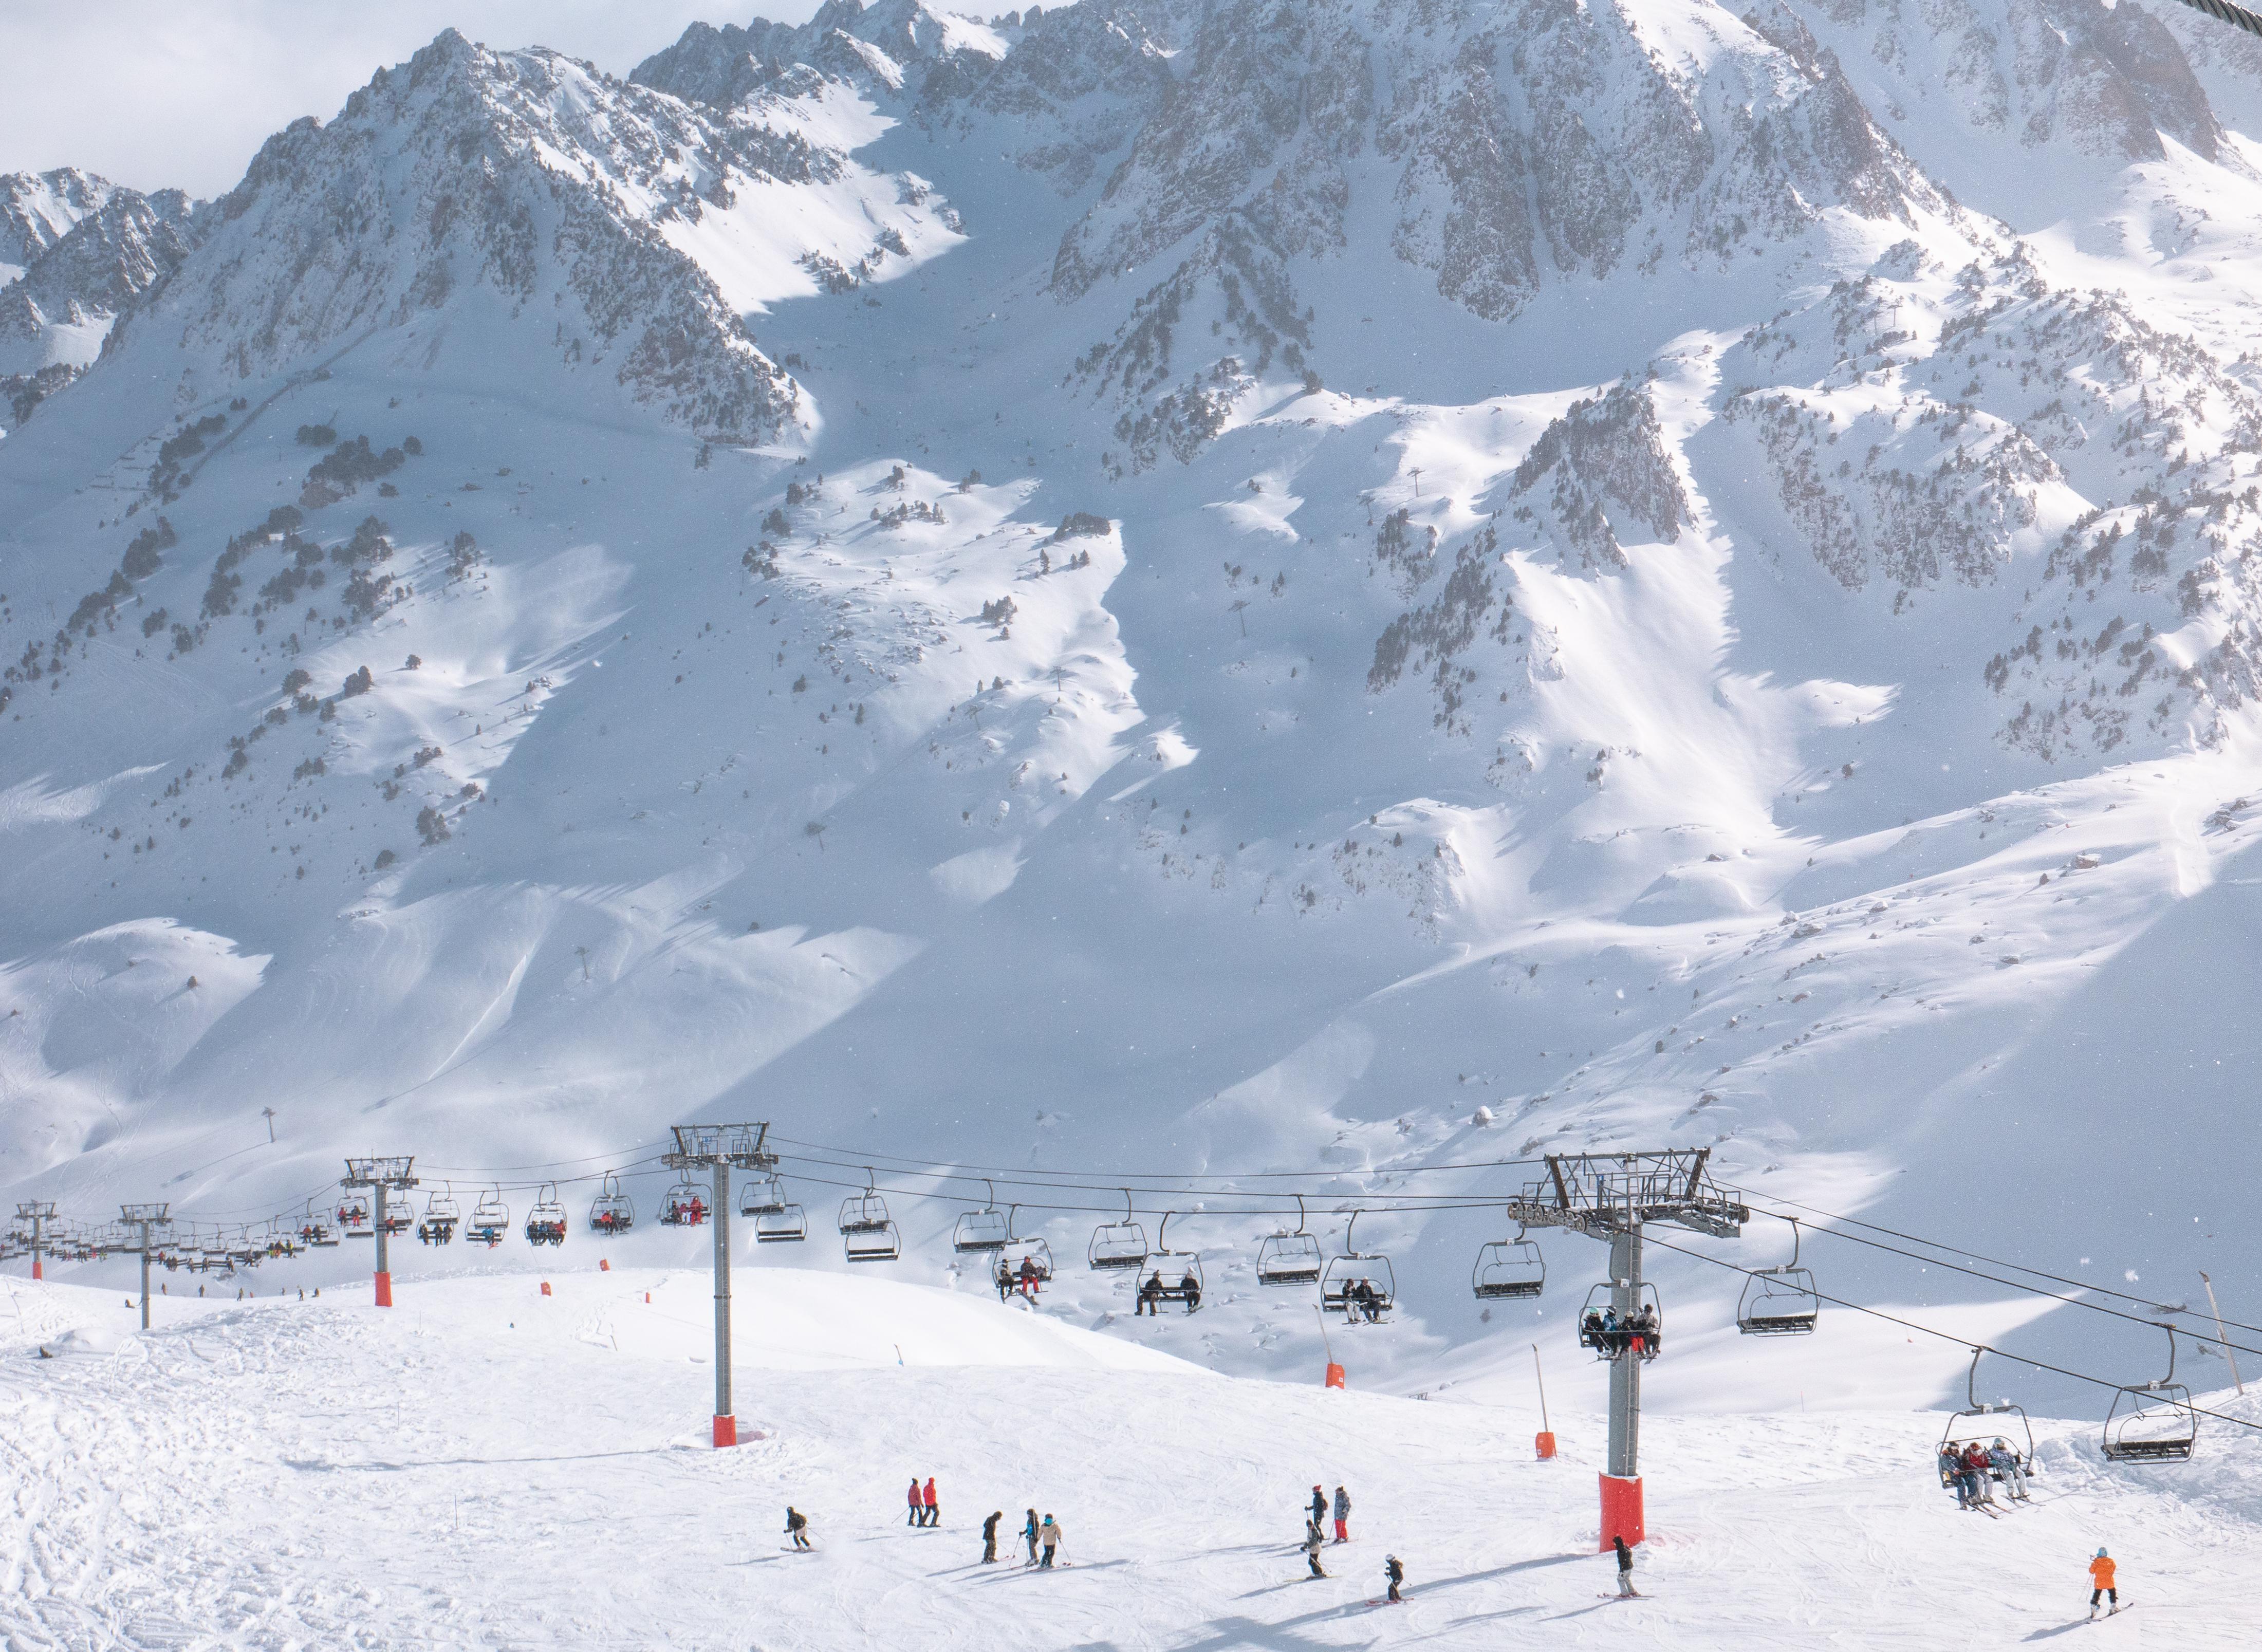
526,174
37,210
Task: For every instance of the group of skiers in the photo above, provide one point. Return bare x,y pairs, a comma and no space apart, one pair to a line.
1637,1334
1152,1291
1361,1300
1025,1279
1973,1471
1037,1534
924,1512
1316,1537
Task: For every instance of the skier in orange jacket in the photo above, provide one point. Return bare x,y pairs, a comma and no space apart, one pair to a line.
2101,1578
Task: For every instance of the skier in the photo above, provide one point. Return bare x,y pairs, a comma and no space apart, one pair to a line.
1342,1515
1029,1533
2003,1463
797,1523
1975,1470
2101,1578
1149,1295
989,1537
1625,1567
1049,1535
1189,1291
1029,1278
1312,1543
1951,1475
915,1506
1396,1574
1319,1507
933,1514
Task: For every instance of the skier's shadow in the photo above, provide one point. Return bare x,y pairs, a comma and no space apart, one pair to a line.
2064,1628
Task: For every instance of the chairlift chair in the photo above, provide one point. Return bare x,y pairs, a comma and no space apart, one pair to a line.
1612,1338
438,1226
1289,1259
545,1223
762,1194
353,1218
1360,1276
1172,1276
317,1230
1511,1268
611,1212
1015,1253
1981,1423
685,1206
988,1228
784,1222
490,1220
1779,1302
2152,1422
864,1212
1117,1245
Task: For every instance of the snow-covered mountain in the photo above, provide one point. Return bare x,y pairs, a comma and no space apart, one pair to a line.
1779,677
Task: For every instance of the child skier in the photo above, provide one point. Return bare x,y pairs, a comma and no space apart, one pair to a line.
2100,1578
1395,1573
797,1523
1312,1543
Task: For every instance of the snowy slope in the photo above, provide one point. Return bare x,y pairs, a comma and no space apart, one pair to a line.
486,1466
1607,565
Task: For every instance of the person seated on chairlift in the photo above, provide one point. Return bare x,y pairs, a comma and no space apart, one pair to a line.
1028,1279
1189,1291
1149,1295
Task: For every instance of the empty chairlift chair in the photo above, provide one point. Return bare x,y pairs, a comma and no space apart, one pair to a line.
490,1220
1023,1265
1289,1259
2152,1422
1118,1245
440,1219
1509,1269
1170,1276
610,1212
867,1234
1780,1301
545,1223
1637,1334
762,1194
1359,1283
988,1228
684,1206
781,1222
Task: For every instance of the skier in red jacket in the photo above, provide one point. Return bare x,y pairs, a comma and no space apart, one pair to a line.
933,1514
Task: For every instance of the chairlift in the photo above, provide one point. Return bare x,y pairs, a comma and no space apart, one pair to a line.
317,1230
1982,1423
988,1228
396,1218
867,1235
1289,1259
545,1223
685,1205
1116,1245
1172,1276
864,1212
1359,1283
784,1222
2152,1422
1613,1338
1511,1268
353,1218
490,1220
1779,1302
610,1212
1025,1265
762,1194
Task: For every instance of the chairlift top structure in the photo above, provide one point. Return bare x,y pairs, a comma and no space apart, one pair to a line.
2152,1422
1346,1273
1289,1259
1982,1422
705,1146
1600,1195
1118,1245
1509,1269
988,1228
1779,1302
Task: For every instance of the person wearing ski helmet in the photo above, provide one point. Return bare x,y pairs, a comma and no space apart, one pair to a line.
2100,1579
1395,1573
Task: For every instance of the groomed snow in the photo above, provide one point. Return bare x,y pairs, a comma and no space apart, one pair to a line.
487,1466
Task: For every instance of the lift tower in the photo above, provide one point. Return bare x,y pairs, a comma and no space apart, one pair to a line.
384,1175
717,1148
1610,1196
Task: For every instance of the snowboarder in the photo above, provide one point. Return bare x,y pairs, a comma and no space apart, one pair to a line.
1625,1567
933,1514
1029,1533
797,1523
989,1537
1342,1515
1049,1535
1396,1574
1312,1543
2101,1578
916,1507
